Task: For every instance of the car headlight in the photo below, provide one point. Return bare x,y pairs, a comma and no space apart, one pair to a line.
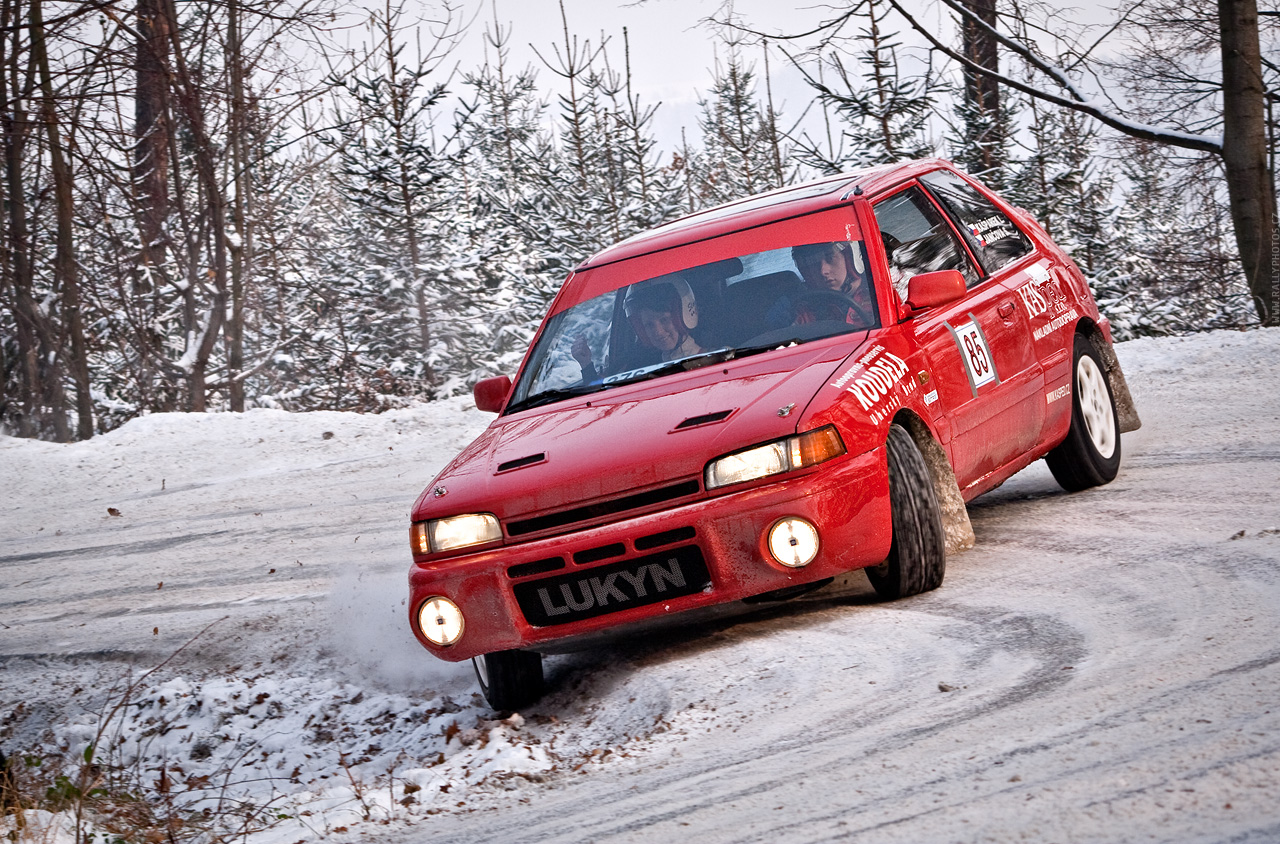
455,532
807,449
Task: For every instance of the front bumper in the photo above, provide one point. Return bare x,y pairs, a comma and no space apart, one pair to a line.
846,499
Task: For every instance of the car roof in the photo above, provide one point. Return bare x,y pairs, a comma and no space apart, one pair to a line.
752,211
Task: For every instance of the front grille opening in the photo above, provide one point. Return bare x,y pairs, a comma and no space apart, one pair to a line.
604,552
705,419
522,461
536,567
667,537
602,509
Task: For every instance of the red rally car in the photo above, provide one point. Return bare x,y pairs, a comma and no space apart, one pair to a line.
746,402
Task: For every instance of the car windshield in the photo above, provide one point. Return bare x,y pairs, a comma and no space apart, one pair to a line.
700,315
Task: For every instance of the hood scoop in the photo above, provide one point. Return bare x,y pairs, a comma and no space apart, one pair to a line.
521,462
704,419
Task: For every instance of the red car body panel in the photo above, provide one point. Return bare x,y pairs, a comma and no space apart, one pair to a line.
600,490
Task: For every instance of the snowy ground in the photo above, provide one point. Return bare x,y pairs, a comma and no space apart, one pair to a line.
1102,667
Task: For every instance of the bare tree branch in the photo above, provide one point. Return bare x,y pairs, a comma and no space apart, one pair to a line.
1076,100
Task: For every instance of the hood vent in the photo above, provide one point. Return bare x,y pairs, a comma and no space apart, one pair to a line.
521,462
705,419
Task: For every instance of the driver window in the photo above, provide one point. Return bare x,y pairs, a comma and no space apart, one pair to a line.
918,240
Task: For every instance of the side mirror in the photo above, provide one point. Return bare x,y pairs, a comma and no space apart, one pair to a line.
928,290
491,393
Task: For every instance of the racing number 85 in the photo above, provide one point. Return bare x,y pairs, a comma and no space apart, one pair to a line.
977,357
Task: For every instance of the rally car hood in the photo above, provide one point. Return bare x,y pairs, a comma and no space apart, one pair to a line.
634,437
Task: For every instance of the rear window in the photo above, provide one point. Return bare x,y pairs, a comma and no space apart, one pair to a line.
990,233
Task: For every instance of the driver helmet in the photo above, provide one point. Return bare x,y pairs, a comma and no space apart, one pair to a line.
669,294
808,258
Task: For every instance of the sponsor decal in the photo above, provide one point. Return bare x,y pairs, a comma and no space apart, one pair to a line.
607,589
990,229
857,366
931,397
594,592
1042,296
1060,393
1055,323
1032,293
889,406
976,354
1039,271
873,376
876,379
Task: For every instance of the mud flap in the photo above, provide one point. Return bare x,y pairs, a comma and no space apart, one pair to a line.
1125,411
957,530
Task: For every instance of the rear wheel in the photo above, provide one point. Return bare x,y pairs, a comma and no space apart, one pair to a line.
1090,455
917,556
509,679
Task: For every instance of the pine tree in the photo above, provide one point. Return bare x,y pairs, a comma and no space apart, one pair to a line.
881,108
506,146
740,155
393,170
1062,182
1175,271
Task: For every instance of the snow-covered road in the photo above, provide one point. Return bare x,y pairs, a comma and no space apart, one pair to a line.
1103,666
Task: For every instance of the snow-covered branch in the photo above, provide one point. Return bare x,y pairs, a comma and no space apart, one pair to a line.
1074,99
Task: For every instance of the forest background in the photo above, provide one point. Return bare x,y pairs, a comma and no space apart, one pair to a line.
227,204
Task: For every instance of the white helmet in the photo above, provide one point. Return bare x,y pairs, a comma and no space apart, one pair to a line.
664,293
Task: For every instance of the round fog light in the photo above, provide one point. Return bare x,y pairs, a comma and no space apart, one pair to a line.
440,621
793,542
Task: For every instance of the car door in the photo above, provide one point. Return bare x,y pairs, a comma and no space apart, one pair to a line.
1008,258
984,377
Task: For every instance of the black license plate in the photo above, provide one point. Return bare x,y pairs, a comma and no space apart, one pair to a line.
617,586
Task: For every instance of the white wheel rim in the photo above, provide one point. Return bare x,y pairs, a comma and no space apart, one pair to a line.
1095,406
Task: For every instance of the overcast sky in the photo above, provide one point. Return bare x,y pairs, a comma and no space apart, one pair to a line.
673,50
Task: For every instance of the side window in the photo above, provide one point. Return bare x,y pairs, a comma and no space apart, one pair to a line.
992,235
917,240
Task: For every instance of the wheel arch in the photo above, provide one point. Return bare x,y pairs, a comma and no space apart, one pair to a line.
1126,411
956,526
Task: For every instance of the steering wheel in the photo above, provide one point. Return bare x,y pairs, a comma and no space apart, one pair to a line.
832,305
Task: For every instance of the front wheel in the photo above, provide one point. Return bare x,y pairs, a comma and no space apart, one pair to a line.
917,557
509,679
1090,455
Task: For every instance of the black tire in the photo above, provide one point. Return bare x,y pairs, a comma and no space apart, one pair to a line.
509,679
1090,455
917,557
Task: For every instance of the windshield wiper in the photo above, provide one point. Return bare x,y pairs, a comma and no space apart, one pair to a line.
701,359
748,351
549,396
722,355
